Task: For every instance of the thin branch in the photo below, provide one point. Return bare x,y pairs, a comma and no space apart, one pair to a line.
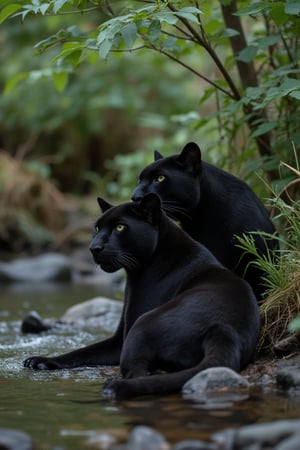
191,69
187,38
75,11
287,49
109,8
128,50
206,45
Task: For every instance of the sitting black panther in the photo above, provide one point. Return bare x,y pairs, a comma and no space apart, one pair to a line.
183,311
212,206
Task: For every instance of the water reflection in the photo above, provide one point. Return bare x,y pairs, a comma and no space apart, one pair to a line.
64,409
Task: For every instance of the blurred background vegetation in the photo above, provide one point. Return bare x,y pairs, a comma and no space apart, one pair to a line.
91,88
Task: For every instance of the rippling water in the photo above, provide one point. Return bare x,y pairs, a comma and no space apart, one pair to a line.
64,409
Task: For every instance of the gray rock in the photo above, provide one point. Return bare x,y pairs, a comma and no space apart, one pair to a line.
99,312
145,438
195,445
291,443
33,323
14,440
50,266
288,378
267,435
216,387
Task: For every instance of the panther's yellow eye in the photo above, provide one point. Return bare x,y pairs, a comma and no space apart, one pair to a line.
119,227
97,229
160,178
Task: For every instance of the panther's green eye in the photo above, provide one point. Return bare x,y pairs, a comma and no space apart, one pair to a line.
160,178
119,227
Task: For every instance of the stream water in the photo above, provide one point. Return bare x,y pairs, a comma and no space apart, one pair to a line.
63,410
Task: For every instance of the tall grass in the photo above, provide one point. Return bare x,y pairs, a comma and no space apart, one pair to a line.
280,310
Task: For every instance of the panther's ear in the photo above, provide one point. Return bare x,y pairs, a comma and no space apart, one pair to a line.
104,205
157,155
151,208
190,158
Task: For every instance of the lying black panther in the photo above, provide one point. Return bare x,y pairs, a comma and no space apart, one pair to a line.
212,206
183,311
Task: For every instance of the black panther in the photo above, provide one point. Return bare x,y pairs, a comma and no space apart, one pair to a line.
213,207
183,311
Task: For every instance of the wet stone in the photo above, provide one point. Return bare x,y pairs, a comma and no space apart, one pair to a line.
195,445
99,312
47,267
273,435
33,323
288,378
145,438
291,443
216,387
14,440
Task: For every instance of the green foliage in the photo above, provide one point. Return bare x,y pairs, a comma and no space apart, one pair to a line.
182,32
62,116
281,307
158,74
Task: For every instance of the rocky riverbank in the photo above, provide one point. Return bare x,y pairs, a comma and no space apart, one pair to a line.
214,389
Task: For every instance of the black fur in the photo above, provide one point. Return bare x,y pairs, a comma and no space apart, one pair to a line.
183,311
212,206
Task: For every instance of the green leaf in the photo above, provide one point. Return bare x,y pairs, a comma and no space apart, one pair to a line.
167,17
269,40
105,48
58,4
43,8
292,8
229,32
154,30
264,128
295,94
247,54
8,11
191,10
254,93
256,8
129,34
12,82
60,80
278,14
188,16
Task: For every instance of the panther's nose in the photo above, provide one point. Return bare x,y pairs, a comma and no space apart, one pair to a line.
136,197
96,250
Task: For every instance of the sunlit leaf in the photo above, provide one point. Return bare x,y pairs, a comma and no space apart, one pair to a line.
13,81
8,11
44,7
58,4
60,80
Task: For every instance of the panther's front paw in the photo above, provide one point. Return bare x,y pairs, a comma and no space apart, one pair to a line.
40,363
108,391
119,389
